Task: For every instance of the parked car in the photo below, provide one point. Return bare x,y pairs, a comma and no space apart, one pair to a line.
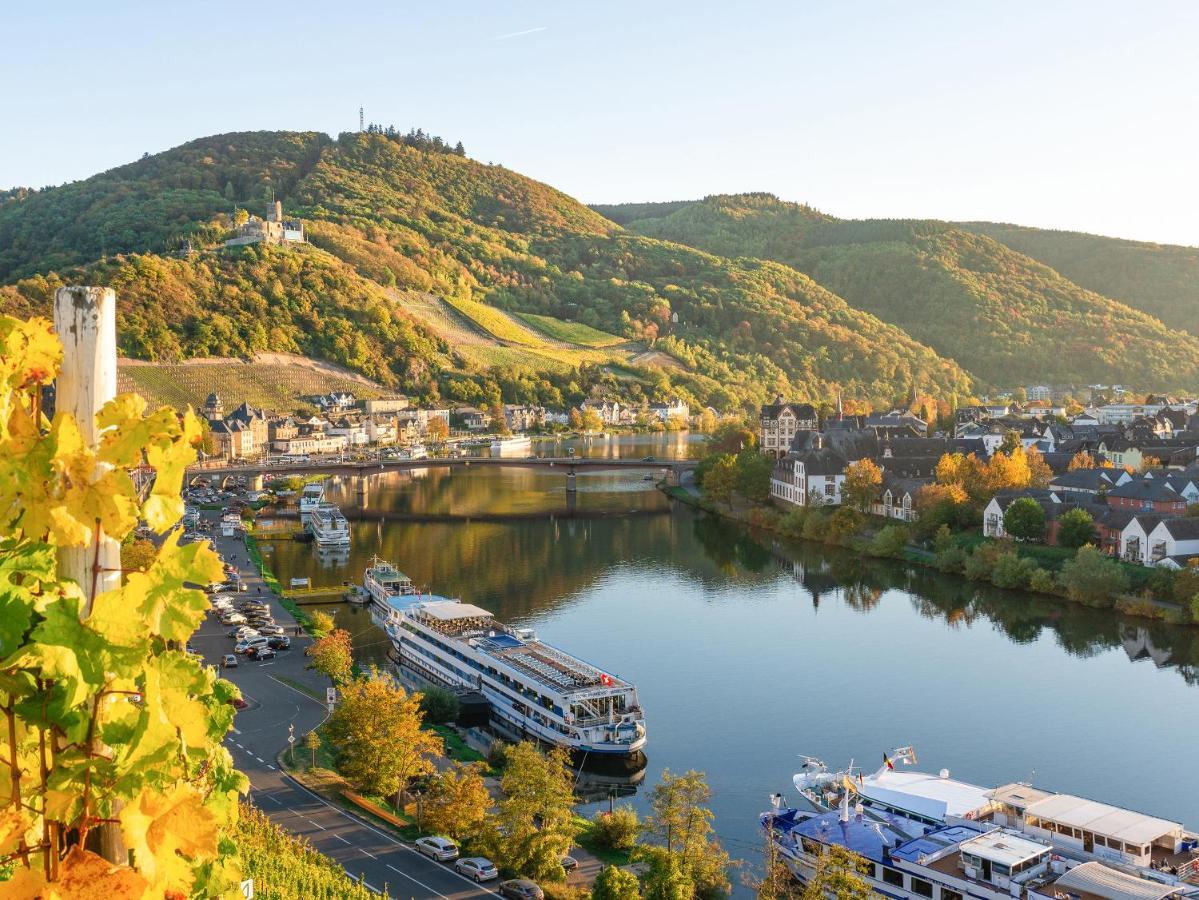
244,633
279,642
480,868
233,619
438,848
260,653
521,889
243,646
271,630
569,863
229,661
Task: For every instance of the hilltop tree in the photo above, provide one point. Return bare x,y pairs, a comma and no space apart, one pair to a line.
862,482
376,731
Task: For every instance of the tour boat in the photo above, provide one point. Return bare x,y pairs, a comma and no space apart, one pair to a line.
382,581
534,689
311,497
931,836
328,526
513,446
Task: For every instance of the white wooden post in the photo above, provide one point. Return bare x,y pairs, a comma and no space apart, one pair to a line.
86,321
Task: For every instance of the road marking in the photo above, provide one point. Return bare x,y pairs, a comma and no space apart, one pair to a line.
269,797
317,824
340,838
235,731
362,880
367,852
416,881
269,766
239,746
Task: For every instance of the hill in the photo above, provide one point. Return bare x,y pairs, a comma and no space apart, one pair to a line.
1001,314
391,225
1160,279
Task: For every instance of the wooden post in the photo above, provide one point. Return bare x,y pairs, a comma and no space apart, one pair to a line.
86,321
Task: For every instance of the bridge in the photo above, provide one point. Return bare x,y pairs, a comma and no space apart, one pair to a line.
256,472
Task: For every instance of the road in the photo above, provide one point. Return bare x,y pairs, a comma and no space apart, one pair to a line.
260,734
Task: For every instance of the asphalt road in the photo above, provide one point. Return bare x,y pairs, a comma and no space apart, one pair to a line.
260,733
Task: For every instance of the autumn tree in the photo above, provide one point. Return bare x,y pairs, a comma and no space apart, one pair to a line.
731,436
1082,460
681,823
720,478
138,555
322,623
457,801
777,881
535,819
591,421
840,873
1039,473
312,741
753,475
376,731
615,883
332,655
438,430
862,482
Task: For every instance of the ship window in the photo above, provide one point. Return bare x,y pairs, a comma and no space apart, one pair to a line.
947,894
892,876
921,887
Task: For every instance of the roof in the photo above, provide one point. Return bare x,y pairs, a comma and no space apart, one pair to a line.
1103,881
927,795
1154,490
1005,847
1181,529
451,610
1018,795
1109,821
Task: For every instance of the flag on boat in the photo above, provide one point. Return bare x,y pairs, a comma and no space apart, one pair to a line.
887,762
606,680
861,780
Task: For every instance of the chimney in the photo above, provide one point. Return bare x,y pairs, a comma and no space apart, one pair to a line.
278,210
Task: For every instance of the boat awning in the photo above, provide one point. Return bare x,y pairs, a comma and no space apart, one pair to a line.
1099,818
1104,881
1018,795
451,610
925,807
955,798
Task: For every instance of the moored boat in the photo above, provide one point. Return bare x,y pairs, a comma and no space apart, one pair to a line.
328,526
512,446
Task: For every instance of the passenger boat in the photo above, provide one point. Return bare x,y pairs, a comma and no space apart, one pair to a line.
312,496
382,581
534,689
328,526
931,836
513,446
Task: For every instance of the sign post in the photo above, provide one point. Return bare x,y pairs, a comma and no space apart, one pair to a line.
330,697
247,889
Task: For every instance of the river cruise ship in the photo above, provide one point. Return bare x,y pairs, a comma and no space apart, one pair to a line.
534,689
513,446
312,496
383,581
1077,830
329,527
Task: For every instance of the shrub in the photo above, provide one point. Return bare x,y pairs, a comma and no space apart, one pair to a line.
1075,528
844,524
890,541
614,883
618,829
1092,578
792,521
981,563
943,539
439,704
1195,608
1010,571
1042,581
951,559
814,526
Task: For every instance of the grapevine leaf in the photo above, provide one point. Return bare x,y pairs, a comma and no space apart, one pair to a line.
15,822
158,596
164,507
167,832
30,353
88,876
182,681
65,650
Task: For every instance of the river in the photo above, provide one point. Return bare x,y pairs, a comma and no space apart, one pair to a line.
748,650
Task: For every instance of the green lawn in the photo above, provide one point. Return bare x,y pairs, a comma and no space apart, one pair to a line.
570,332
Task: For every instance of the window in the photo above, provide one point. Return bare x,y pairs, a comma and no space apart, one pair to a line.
893,876
947,894
921,887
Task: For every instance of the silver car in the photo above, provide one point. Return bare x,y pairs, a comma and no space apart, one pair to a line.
438,848
480,868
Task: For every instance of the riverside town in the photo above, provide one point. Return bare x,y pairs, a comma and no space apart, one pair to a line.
727,465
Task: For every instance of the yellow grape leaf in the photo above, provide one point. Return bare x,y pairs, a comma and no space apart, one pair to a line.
158,598
27,884
179,680
14,823
164,507
167,832
88,876
30,352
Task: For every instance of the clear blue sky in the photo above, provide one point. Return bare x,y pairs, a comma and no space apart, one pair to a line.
1069,115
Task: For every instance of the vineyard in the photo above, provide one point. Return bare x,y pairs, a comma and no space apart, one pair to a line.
275,385
285,867
496,323
570,332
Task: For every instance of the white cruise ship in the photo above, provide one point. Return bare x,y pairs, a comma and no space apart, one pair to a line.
1138,855
328,526
312,496
534,689
513,446
383,581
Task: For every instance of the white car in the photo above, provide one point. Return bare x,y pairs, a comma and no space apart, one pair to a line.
233,619
245,633
480,868
243,646
438,848
271,629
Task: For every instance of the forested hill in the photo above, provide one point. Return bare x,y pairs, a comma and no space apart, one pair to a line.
1160,279
396,230
1001,314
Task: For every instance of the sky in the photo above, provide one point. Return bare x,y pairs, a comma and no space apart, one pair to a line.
1073,115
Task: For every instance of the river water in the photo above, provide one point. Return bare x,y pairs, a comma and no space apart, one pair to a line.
748,650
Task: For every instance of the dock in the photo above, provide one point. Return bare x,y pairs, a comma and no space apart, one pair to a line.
334,593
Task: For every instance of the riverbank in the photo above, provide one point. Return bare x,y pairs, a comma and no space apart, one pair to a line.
1005,564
